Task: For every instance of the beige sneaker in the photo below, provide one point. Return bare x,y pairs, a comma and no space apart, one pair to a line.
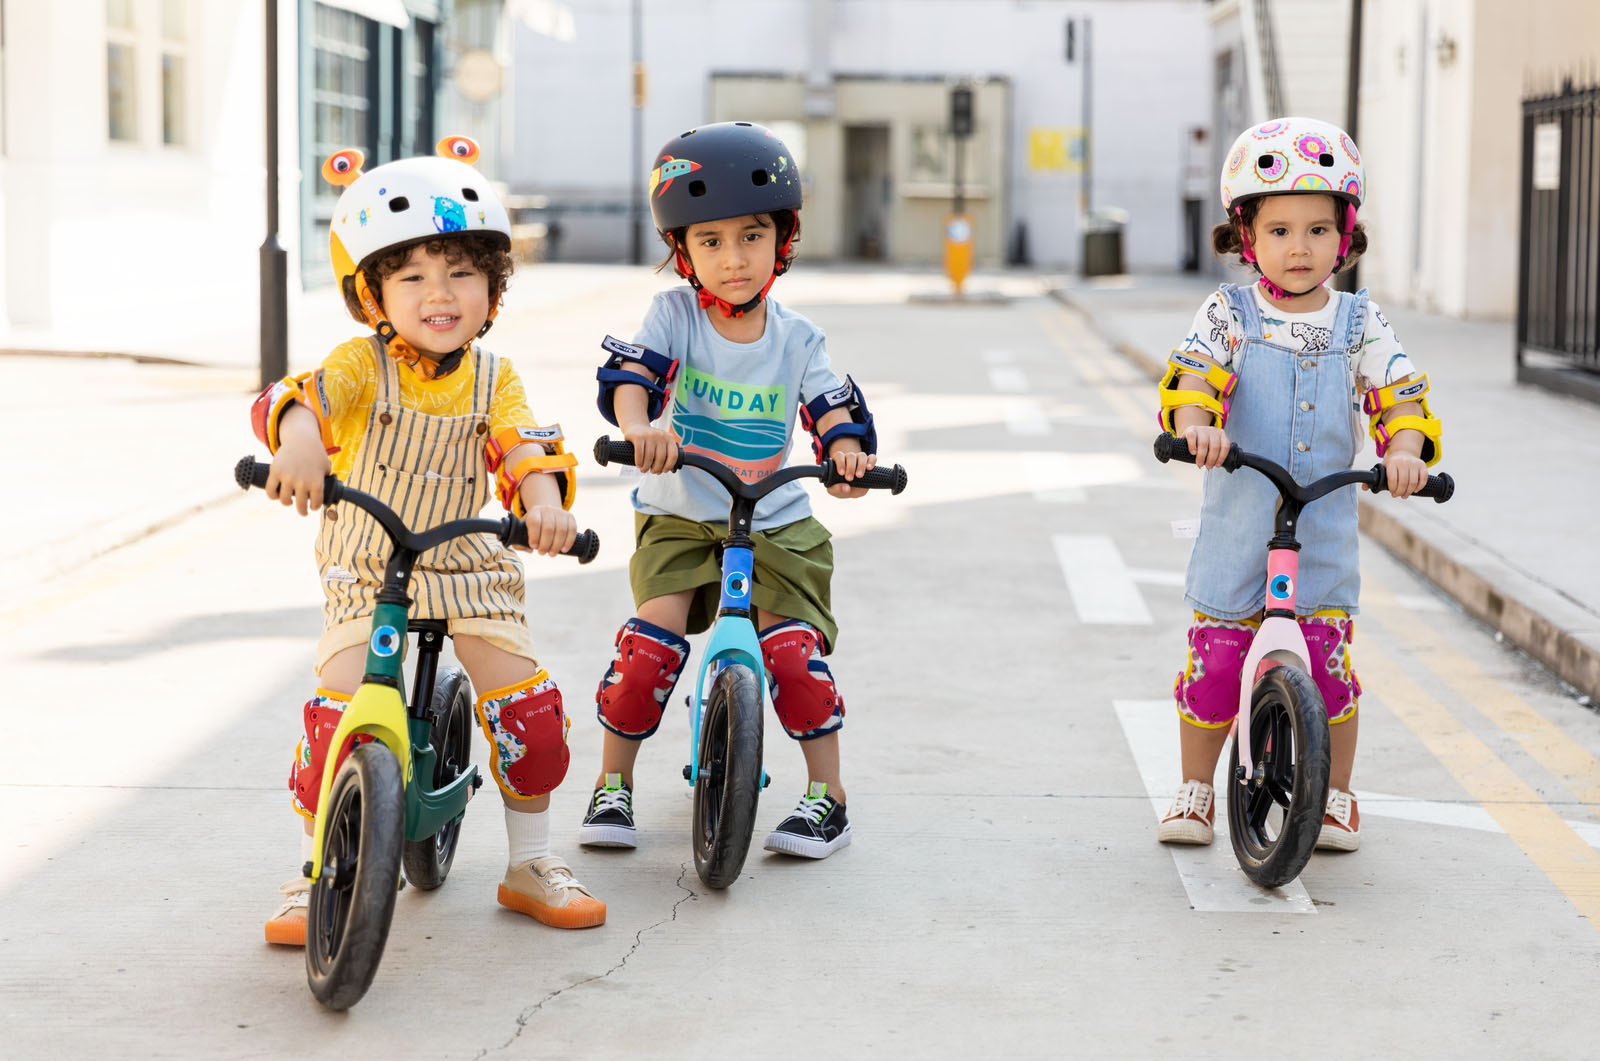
1341,825
288,925
1188,820
546,891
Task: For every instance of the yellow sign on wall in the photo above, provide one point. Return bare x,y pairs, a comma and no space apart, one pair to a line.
1055,150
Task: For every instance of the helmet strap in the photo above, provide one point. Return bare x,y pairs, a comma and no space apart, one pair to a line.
1272,289
707,299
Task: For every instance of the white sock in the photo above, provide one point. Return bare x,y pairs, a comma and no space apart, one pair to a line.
528,835
307,848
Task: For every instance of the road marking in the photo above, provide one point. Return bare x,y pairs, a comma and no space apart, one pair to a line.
1156,578
998,357
1457,815
1101,588
1552,845
1211,876
1027,417
1008,379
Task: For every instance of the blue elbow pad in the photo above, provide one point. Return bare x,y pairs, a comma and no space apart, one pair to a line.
612,375
848,397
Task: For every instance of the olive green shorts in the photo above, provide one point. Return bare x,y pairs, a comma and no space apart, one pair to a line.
793,576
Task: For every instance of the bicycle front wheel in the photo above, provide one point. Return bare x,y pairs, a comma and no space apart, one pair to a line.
729,782
352,902
428,860
1274,815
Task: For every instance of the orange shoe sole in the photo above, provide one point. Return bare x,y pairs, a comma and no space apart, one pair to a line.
582,912
287,931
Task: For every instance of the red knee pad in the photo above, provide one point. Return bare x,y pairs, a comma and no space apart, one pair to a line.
321,715
1328,641
527,733
803,694
1207,690
634,692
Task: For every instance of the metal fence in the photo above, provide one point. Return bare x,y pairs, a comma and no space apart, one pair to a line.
1558,276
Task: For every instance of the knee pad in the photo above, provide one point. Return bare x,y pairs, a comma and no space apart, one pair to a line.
322,714
634,692
527,733
1328,640
803,694
1207,689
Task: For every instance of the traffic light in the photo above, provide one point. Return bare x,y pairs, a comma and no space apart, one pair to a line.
961,112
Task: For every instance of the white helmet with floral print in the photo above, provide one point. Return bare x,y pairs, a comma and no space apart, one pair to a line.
1287,156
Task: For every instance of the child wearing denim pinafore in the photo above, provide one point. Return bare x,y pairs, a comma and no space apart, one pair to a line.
1284,368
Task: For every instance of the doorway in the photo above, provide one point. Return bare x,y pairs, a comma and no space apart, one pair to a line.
868,191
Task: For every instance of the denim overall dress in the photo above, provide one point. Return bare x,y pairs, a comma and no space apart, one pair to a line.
1295,408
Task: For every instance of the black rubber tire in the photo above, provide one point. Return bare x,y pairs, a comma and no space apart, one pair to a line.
428,861
729,783
352,902
1275,817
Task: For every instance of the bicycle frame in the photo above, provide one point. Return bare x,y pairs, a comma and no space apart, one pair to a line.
1278,641
733,638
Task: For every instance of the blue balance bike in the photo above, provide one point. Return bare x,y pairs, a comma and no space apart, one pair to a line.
725,724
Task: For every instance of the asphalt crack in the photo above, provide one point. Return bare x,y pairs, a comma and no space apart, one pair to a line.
526,1016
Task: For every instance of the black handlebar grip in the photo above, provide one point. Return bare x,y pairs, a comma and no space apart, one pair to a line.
248,473
606,451
1171,447
586,547
890,479
1440,488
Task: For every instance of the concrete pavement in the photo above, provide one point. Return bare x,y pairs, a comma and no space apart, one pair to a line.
1510,546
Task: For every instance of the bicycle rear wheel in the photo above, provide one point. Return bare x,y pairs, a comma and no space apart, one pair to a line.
1275,814
427,861
352,902
729,782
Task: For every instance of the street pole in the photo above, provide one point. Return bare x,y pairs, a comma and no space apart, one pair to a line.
1349,279
274,260
635,205
1088,118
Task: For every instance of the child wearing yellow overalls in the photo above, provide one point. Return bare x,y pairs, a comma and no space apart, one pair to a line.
425,419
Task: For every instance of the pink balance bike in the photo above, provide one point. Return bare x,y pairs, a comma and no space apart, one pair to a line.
1275,807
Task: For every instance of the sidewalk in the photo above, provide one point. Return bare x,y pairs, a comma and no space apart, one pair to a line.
1511,546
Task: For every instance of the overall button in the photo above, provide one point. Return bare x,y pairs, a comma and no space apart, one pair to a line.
385,418
1304,406
1301,446
1305,362
483,428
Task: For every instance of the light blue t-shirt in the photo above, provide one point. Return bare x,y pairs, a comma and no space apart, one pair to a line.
735,402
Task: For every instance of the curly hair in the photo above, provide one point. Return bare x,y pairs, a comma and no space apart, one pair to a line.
1228,237
487,254
787,223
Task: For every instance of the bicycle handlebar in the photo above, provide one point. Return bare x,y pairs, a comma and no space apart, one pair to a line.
509,529
1172,447
607,451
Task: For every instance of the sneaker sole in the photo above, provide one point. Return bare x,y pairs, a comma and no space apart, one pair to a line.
789,844
606,836
1184,831
287,931
580,913
1338,840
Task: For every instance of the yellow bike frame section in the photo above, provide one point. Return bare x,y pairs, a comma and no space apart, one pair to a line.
378,710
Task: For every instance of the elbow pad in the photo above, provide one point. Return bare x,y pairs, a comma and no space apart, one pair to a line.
848,397
1180,364
612,375
1378,400
274,400
550,457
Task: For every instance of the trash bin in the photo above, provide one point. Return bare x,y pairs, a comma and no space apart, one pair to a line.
1102,242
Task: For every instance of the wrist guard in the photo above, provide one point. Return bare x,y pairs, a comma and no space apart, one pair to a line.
1180,364
1378,400
550,456
274,400
612,375
848,397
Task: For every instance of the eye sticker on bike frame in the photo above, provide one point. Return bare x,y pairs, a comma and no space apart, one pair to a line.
1282,587
736,585
385,641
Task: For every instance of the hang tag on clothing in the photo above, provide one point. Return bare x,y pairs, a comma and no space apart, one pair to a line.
335,573
1186,528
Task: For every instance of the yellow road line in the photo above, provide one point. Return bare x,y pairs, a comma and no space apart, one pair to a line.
1546,742
1550,843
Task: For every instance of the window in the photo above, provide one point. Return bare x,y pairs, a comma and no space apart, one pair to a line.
121,72
174,35
342,49
422,86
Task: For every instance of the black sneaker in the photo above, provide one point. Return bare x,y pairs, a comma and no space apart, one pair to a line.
610,819
816,829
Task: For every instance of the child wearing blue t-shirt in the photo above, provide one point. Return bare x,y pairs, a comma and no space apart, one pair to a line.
721,369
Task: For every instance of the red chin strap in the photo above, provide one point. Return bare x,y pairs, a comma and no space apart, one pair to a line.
1272,289
707,299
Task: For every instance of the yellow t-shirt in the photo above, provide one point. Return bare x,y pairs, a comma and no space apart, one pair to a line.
350,383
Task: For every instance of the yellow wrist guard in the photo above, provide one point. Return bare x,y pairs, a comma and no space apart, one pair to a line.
1381,399
1179,364
554,459
274,401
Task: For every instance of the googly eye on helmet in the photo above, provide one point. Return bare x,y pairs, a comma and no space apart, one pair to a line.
1288,156
718,171
403,203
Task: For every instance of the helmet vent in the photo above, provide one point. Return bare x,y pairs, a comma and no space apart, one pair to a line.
745,124
471,194
697,189
399,204
1325,159
1266,162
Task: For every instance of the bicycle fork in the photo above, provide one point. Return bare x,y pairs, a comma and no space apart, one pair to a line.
733,640
1279,641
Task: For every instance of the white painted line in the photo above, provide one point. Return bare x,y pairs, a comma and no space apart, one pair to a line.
998,357
1156,578
1101,588
1008,379
1211,876
1066,495
1458,815
1027,417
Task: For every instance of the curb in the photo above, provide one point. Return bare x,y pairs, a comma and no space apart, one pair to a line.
1553,630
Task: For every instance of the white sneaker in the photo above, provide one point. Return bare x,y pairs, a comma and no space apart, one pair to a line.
1188,820
1341,824
288,925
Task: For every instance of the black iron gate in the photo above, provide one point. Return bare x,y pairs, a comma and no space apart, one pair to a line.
1558,276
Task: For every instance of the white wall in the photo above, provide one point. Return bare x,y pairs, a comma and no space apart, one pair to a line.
573,104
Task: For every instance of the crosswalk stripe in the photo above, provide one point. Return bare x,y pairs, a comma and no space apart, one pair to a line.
1102,590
